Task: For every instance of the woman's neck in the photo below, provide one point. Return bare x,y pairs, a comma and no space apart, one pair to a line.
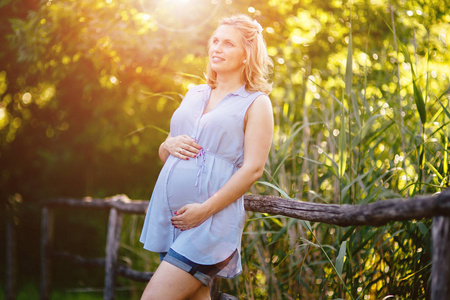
228,84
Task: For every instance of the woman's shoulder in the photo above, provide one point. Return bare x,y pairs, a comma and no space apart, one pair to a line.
257,93
195,92
261,97
261,102
198,88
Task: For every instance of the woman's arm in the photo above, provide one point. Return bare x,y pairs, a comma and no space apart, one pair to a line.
258,139
182,146
163,151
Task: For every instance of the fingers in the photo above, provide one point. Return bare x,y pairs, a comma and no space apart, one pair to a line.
182,153
189,146
179,221
195,148
190,216
183,146
181,211
182,225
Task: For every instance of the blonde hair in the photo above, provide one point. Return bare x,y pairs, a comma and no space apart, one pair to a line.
255,73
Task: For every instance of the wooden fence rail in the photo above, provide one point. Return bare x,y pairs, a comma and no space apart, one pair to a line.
373,214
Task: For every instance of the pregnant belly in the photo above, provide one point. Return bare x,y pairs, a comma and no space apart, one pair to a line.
181,187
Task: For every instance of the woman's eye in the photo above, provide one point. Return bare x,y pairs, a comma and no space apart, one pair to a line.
229,44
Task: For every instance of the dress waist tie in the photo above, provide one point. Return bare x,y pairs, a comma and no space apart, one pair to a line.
201,164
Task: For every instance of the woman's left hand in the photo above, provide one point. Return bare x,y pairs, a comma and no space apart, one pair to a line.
189,216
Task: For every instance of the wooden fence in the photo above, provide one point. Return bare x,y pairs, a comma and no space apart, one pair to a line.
379,213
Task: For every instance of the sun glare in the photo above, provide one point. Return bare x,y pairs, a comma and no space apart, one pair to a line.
180,15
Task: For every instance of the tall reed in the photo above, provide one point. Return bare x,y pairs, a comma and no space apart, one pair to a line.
379,141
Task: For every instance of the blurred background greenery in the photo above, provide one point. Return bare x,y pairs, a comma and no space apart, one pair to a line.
361,106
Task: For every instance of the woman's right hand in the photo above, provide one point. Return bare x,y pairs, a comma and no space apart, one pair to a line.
182,146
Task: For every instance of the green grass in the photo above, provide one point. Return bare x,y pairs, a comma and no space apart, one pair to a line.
30,290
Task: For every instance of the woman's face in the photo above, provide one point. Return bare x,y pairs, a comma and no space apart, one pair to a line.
226,52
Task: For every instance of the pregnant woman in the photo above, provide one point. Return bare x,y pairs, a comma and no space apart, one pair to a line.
219,140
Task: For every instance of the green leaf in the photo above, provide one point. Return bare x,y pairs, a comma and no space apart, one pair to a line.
349,67
330,94
447,91
421,150
279,190
340,258
148,126
333,162
4,2
348,186
356,109
311,160
418,97
420,103
423,228
306,224
445,162
342,147
436,172
445,109
364,130
296,129
407,57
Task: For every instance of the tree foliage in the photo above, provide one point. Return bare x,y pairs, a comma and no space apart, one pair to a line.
361,105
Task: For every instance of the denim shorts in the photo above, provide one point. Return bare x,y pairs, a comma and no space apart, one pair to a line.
204,273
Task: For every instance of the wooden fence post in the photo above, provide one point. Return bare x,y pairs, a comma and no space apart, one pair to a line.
11,259
214,288
440,273
46,243
13,204
112,248
374,214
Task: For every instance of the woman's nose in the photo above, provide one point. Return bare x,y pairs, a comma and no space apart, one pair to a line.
218,47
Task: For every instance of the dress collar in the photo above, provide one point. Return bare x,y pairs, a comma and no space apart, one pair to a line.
242,92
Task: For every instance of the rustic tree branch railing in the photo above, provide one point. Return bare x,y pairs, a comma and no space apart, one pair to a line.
373,214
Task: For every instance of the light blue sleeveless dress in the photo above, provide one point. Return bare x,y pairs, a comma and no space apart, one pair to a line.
221,134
